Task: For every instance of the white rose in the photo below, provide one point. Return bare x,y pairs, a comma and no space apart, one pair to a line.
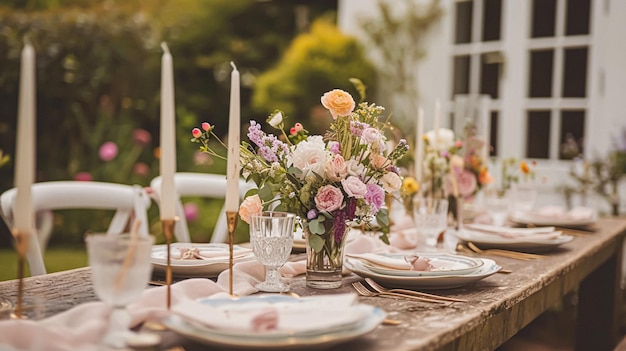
309,156
336,168
276,119
445,139
372,135
391,182
355,168
354,187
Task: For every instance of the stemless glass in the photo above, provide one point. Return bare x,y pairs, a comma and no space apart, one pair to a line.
498,205
120,271
431,218
271,236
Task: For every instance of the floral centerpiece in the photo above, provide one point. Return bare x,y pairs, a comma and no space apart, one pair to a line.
327,180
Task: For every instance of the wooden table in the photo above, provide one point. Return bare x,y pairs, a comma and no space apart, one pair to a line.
498,306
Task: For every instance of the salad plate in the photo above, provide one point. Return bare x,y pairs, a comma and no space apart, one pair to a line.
488,268
216,260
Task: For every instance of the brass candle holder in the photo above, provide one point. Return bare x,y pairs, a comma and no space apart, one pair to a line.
231,219
21,246
168,231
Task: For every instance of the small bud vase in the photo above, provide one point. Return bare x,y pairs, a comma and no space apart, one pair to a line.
324,257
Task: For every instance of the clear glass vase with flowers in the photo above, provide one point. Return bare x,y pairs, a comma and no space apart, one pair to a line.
327,180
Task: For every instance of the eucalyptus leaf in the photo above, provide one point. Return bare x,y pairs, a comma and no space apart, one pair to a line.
316,242
266,193
316,227
251,192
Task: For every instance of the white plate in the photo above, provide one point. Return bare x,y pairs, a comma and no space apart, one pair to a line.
210,267
559,221
527,244
443,264
267,341
430,282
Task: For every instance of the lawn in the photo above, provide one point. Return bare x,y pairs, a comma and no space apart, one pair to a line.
56,259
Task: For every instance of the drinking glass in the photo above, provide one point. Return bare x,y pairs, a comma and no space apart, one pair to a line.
498,205
271,236
431,218
524,196
120,271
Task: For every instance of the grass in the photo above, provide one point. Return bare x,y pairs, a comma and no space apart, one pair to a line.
56,259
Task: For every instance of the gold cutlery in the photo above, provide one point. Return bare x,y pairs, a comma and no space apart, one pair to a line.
379,288
504,253
388,321
363,291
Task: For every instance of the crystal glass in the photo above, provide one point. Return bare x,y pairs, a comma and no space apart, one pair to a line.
498,206
431,218
120,270
524,196
271,236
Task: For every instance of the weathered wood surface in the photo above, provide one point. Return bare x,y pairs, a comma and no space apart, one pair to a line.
497,308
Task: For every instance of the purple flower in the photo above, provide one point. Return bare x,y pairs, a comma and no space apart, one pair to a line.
335,147
339,226
357,128
312,214
269,146
191,211
375,197
107,151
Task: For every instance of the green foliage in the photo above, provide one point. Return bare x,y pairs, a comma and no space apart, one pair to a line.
315,62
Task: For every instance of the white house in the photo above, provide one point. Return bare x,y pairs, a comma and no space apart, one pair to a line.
555,71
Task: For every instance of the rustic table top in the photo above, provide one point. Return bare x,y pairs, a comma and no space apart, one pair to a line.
497,308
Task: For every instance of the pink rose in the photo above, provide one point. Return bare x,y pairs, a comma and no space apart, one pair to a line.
354,187
336,168
142,137
375,197
465,183
250,206
107,151
372,135
338,102
328,198
141,169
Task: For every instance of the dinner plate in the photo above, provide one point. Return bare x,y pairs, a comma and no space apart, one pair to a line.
488,268
209,267
442,264
519,243
323,338
534,218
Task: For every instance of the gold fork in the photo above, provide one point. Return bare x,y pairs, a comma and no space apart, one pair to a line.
505,253
363,291
379,288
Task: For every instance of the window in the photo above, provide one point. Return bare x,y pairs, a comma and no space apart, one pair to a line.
538,134
575,72
541,73
463,22
461,75
578,13
493,138
544,18
572,134
492,12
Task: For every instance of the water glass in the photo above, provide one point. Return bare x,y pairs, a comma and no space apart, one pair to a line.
431,218
498,206
524,197
271,236
120,270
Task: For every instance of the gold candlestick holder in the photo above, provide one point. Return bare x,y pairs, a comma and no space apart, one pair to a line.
231,219
168,231
21,246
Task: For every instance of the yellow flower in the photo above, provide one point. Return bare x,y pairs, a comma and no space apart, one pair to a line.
410,185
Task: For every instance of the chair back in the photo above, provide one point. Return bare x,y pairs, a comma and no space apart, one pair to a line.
126,200
199,185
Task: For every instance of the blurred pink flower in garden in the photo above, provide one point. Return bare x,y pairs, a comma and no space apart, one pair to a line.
107,151
141,169
83,177
202,159
142,137
191,211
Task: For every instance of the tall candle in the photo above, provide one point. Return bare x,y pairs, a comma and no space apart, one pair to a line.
25,148
168,141
436,121
419,147
234,126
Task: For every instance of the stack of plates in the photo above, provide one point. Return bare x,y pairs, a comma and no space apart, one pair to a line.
527,239
310,322
216,260
447,271
555,215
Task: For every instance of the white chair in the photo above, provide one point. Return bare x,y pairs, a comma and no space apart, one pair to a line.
126,200
199,185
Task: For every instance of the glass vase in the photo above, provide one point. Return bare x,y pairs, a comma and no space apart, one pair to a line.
324,266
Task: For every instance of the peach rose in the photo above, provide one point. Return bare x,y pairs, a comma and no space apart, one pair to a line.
250,206
338,102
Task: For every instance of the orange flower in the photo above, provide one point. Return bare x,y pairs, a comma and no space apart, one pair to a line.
484,177
523,166
338,102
